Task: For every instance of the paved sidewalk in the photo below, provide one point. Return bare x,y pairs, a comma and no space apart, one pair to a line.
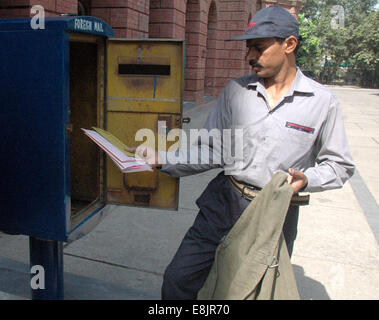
336,255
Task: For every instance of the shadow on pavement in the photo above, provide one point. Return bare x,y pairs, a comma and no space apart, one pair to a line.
15,280
309,289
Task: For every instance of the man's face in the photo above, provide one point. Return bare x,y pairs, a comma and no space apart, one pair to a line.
266,56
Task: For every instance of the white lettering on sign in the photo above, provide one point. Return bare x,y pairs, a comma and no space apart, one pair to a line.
98,27
84,25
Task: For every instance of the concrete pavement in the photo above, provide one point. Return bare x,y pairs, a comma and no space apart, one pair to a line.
336,255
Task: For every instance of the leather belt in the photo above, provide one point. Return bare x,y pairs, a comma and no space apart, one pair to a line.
250,192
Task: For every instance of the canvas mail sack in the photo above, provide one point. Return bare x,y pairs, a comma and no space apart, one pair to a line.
252,261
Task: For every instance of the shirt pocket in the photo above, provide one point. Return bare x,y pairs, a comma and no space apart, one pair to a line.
292,136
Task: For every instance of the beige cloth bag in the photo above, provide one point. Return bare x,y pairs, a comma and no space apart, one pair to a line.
252,261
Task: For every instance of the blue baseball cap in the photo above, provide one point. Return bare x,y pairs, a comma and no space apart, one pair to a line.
271,22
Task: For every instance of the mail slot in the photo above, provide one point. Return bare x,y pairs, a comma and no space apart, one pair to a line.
56,182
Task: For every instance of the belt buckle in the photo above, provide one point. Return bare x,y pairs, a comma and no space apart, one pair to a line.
246,195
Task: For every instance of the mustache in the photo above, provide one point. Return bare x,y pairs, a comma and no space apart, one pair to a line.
255,64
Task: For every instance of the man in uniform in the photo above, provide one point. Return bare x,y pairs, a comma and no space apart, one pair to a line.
290,123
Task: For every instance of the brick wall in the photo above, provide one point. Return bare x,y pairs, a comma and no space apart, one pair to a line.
21,8
167,19
128,18
211,62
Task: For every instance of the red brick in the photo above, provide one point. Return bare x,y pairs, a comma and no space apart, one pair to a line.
191,95
140,5
211,44
193,73
179,5
66,6
194,51
195,62
14,3
178,32
102,13
193,16
162,15
203,28
166,30
193,7
155,4
14,13
120,33
46,4
138,34
235,73
196,39
109,3
193,26
221,73
211,63
239,16
225,15
119,20
51,14
197,84
154,30
179,18
235,45
143,22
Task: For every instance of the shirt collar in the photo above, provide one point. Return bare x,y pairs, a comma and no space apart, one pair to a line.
300,84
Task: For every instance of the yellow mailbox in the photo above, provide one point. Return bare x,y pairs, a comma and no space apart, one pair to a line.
144,87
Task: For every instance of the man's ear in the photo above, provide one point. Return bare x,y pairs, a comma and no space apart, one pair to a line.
290,44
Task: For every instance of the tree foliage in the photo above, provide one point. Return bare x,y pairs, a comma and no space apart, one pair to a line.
340,36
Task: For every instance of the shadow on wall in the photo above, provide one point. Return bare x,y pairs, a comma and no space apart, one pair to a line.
309,289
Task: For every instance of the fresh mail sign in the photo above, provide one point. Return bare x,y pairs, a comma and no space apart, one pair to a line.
90,25
86,25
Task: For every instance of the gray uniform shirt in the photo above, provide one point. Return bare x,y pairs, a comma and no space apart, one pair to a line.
304,131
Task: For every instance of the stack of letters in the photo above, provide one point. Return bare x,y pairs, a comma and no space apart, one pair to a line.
115,149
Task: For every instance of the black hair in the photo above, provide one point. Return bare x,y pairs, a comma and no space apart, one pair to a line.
299,39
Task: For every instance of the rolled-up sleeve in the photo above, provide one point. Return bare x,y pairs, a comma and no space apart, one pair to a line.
334,163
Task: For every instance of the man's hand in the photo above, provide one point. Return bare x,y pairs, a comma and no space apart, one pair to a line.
297,179
149,155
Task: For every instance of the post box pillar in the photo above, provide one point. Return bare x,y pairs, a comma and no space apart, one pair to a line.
46,264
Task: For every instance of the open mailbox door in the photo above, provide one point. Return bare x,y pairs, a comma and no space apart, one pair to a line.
58,80
144,97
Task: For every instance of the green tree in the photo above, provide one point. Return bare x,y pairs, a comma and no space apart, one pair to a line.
363,44
349,39
309,54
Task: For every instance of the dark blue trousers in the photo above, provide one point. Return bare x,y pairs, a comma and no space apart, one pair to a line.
220,207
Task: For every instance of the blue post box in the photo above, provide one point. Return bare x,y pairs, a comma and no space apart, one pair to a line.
51,81
55,182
